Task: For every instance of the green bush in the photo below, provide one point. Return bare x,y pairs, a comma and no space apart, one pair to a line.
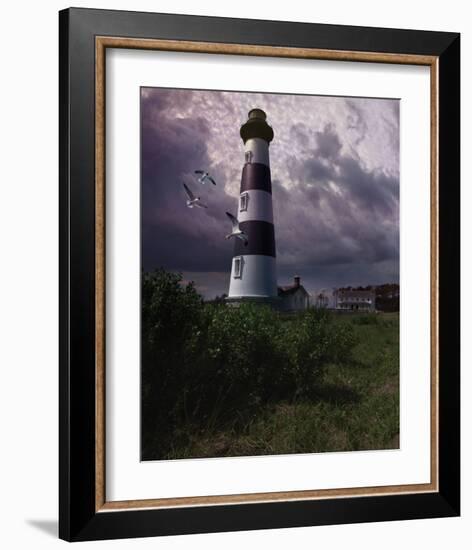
244,353
170,317
312,342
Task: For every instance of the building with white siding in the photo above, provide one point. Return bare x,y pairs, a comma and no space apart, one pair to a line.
354,300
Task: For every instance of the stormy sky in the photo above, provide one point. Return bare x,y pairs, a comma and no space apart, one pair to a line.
335,185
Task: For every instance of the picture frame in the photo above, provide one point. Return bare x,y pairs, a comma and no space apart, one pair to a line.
84,37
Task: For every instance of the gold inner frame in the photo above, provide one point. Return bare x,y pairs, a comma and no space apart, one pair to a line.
101,44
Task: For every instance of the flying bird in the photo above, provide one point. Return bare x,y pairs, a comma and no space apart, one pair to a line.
192,199
237,232
203,177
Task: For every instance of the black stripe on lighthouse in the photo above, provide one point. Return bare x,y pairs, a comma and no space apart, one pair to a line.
256,176
261,239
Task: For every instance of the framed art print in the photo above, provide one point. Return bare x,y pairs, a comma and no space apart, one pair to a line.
259,274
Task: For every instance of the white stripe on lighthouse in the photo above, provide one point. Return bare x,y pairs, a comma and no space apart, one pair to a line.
258,150
255,205
253,277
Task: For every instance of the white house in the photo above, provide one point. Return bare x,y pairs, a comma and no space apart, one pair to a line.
354,300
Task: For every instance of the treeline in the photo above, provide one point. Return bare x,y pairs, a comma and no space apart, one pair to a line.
387,297
204,365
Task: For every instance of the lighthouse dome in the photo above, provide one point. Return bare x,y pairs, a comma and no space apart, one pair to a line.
256,127
257,113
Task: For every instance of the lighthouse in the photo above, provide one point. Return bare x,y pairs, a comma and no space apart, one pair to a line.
253,269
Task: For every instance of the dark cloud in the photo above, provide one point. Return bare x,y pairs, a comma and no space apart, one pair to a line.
174,236
328,143
338,214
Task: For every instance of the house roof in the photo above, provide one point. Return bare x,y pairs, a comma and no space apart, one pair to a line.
290,289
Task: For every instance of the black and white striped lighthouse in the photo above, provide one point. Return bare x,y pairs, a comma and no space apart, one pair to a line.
253,271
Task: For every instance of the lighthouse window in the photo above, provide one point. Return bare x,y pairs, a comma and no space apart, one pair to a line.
243,202
238,267
248,157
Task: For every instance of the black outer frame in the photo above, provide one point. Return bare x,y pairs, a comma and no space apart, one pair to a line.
78,519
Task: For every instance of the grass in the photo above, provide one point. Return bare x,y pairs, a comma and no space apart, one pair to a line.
355,407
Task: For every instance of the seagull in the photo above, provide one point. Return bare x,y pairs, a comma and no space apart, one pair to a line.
204,177
192,199
237,232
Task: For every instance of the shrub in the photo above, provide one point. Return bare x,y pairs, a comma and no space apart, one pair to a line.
170,310
313,342
244,352
171,316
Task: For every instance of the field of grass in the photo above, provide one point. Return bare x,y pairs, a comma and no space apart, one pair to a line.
355,406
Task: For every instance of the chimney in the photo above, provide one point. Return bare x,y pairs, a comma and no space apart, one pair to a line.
296,280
